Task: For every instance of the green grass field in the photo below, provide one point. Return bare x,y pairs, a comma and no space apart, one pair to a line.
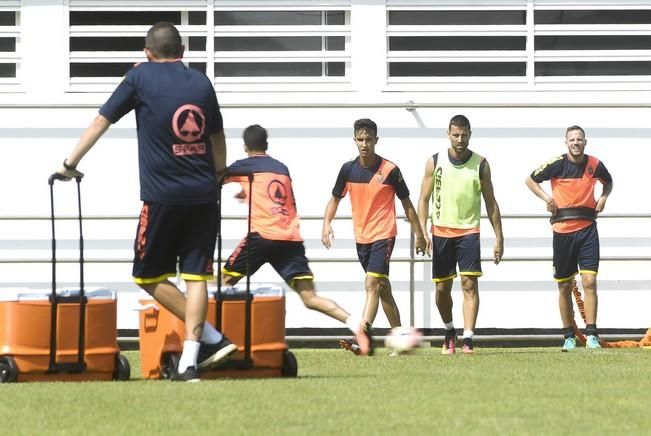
497,391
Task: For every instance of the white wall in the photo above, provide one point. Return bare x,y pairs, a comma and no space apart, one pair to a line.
314,143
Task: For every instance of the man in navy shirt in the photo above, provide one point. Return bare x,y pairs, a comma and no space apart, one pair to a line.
181,148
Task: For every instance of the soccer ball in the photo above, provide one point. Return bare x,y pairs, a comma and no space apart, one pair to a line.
403,339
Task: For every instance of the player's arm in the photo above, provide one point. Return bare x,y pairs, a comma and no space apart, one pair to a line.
607,181
86,141
412,216
327,235
493,211
423,202
540,193
605,192
218,144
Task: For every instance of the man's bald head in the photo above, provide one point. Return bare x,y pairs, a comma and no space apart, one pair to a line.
164,41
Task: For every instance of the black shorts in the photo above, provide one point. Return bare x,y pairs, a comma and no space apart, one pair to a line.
464,250
375,257
286,257
167,234
580,248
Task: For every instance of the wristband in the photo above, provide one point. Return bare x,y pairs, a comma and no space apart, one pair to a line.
68,167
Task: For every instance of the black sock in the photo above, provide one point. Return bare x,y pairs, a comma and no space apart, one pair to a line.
568,332
591,330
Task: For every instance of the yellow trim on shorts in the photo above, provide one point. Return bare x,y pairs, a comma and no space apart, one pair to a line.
587,271
443,279
291,282
378,275
232,273
197,277
152,280
566,279
471,273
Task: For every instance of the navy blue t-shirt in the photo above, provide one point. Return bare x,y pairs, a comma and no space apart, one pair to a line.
176,112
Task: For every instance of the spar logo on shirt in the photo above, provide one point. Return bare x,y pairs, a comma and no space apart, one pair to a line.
188,125
277,193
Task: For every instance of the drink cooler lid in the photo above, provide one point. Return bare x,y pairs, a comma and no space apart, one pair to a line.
27,294
257,289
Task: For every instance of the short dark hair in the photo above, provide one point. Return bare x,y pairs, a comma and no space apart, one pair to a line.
255,138
365,124
459,121
575,127
164,41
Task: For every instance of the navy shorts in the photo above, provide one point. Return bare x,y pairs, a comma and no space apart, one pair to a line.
375,257
286,257
464,250
169,234
580,248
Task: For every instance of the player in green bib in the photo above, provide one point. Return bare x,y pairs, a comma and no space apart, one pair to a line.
455,184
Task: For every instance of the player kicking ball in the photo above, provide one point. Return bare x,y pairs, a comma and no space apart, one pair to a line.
275,236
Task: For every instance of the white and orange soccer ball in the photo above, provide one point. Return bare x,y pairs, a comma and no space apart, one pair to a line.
403,339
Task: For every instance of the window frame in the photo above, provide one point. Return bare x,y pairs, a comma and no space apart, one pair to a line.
530,56
12,84
211,55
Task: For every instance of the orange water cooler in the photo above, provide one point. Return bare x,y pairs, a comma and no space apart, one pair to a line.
32,348
265,354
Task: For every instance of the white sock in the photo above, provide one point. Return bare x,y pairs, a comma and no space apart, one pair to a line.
189,355
210,335
468,334
449,325
353,323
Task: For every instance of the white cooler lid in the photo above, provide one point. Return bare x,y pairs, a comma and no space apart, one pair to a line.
258,289
27,294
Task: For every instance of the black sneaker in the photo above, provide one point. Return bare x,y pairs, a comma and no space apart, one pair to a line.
190,375
211,355
468,347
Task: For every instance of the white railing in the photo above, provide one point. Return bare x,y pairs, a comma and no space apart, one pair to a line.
411,259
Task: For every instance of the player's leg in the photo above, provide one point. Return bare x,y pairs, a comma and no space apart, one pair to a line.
588,260
155,260
444,270
372,294
389,305
469,258
204,346
289,260
155,257
565,269
378,286
305,288
256,254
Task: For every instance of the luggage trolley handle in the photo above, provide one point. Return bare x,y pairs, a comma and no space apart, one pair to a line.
246,362
55,300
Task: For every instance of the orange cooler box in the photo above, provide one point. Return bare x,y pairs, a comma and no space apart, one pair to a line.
25,326
162,335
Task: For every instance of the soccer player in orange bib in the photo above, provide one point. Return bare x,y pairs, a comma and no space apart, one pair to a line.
373,183
275,236
575,240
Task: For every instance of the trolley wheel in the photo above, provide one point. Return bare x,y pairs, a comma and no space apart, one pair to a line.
122,368
8,369
290,365
169,363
